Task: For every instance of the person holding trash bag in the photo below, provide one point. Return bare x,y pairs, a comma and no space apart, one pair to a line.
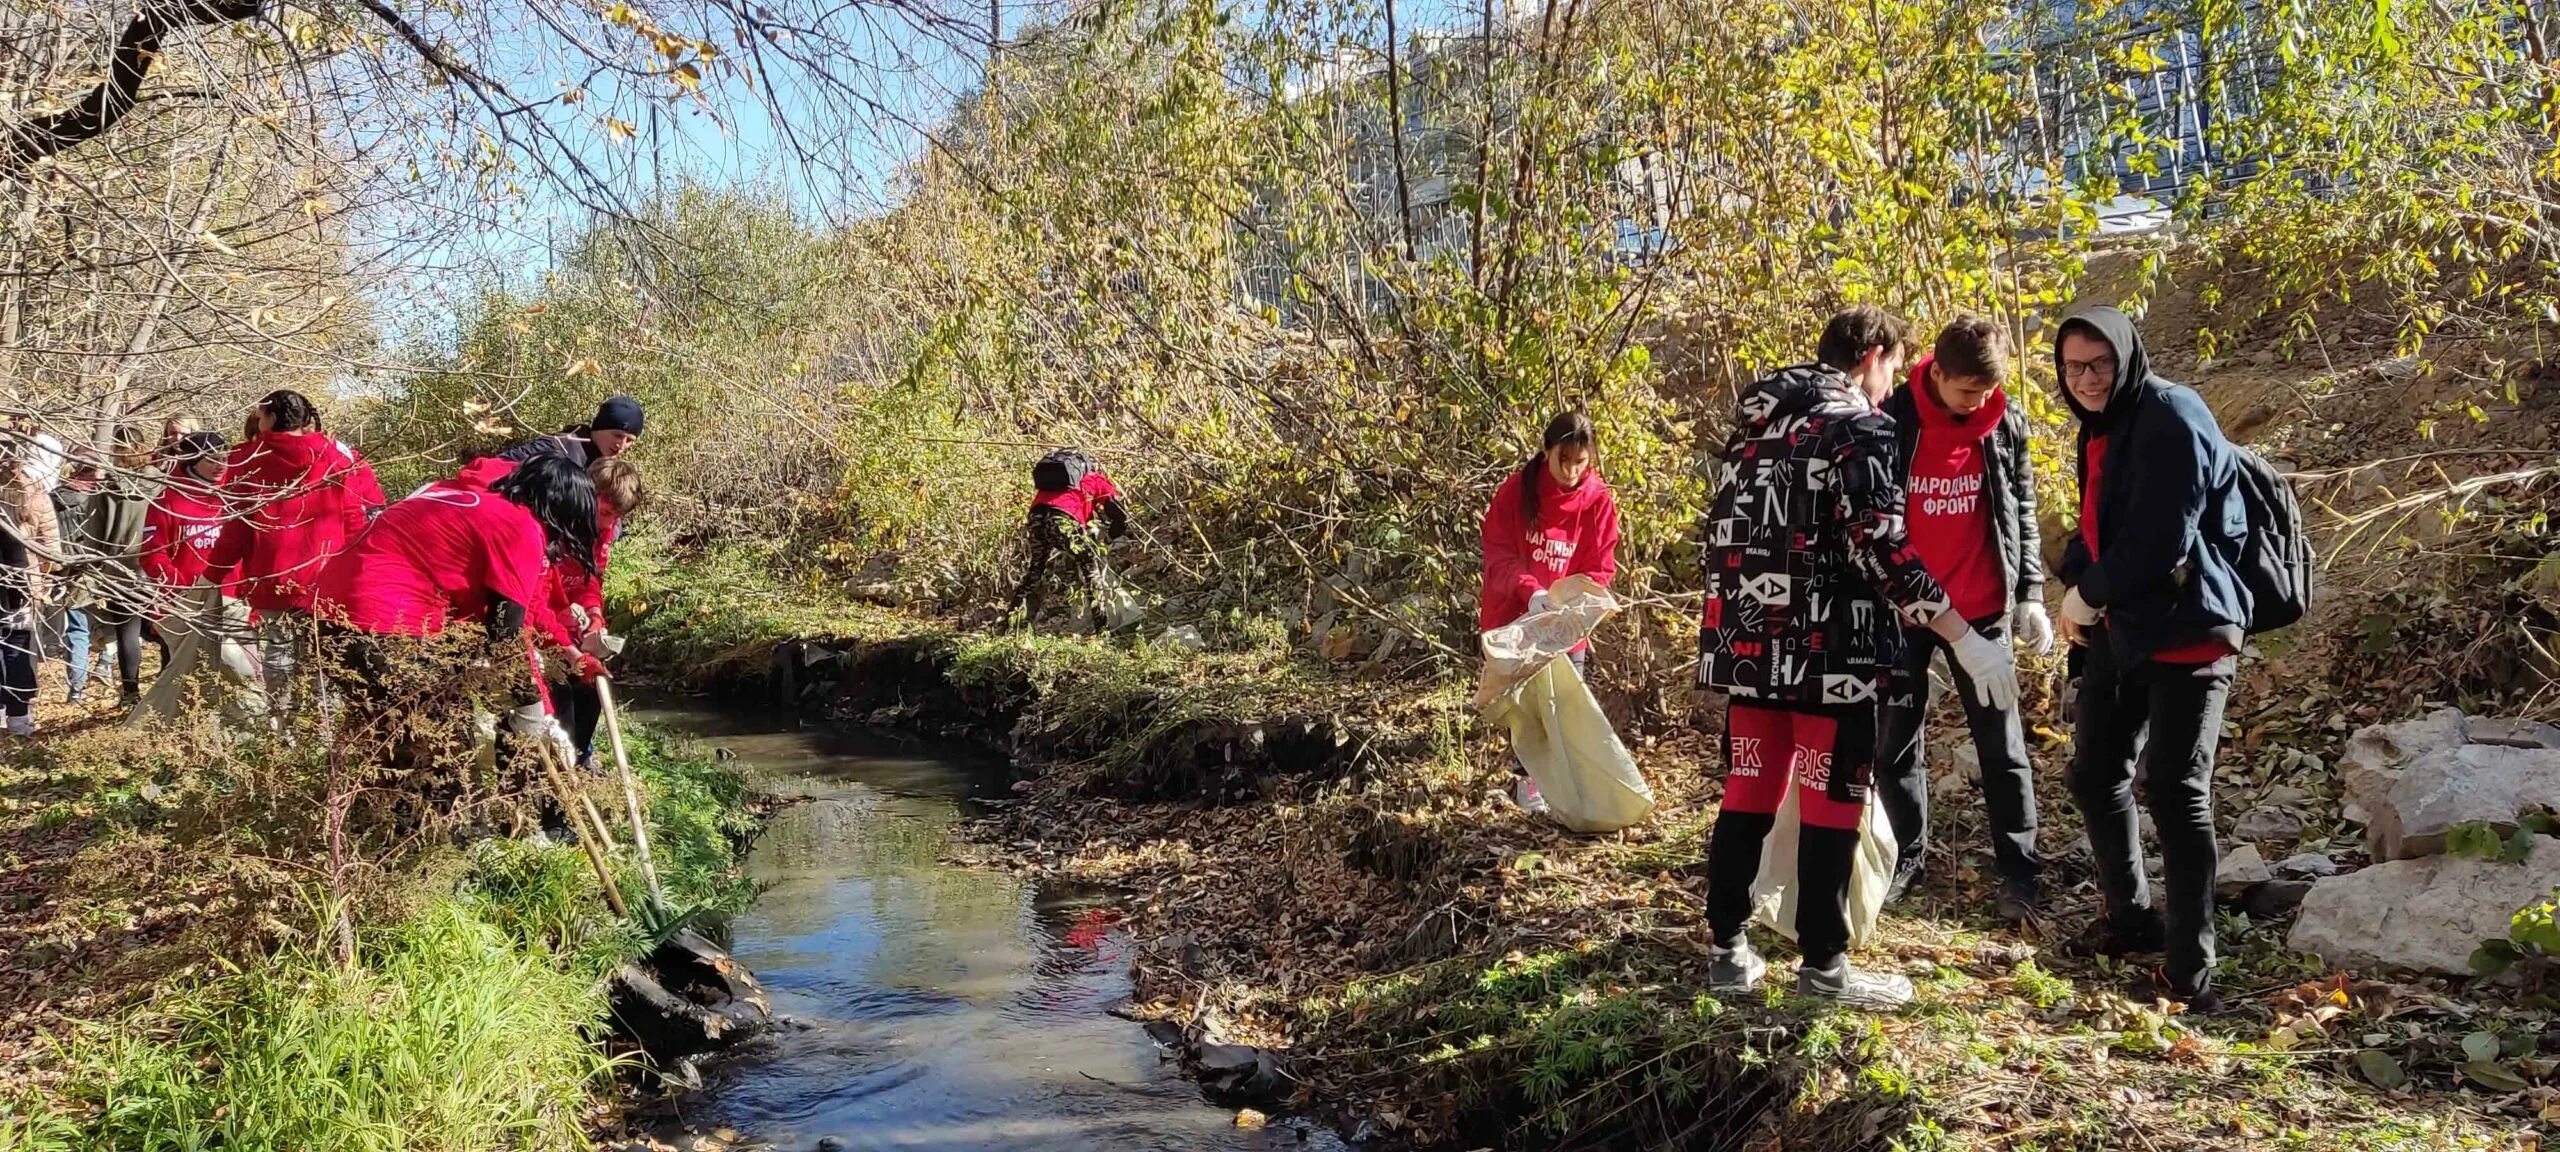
2158,610
1552,517
1970,509
1808,567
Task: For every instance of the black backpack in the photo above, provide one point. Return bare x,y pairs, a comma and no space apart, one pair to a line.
1062,470
2275,557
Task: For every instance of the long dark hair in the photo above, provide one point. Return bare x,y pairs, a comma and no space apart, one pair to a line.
291,410
1566,428
562,500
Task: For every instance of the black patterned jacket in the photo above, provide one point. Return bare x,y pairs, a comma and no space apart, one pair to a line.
1806,559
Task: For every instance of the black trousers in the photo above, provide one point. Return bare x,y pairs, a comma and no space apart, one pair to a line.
1825,857
2160,724
580,708
18,670
129,629
1999,742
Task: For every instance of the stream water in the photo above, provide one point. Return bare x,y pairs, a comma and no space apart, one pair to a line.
934,1006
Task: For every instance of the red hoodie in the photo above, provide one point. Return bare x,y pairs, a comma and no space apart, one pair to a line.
1080,501
570,584
1576,531
179,531
439,555
1949,521
302,496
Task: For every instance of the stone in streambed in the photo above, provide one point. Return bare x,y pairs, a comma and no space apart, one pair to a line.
2263,824
2486,783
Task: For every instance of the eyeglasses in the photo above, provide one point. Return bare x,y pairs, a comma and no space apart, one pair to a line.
2103,368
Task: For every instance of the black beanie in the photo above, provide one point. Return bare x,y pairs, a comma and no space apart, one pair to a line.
617,414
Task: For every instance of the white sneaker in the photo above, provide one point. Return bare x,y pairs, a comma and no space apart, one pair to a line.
22,725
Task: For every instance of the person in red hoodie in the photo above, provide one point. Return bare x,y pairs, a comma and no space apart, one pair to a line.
179,531
577,598
478,547
197,628
1552,517
1970,510
297,496
1070,494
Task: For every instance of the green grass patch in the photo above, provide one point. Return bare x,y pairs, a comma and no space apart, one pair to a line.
467,1022
450,1034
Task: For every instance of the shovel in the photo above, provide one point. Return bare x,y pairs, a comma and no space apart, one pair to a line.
630,789
560,787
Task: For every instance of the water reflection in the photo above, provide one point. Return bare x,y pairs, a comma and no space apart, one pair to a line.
941,1007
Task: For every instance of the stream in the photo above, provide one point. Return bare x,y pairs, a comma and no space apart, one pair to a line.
931,1005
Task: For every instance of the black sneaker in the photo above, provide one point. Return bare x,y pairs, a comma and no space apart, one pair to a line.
2156,985
2126,934
2016,903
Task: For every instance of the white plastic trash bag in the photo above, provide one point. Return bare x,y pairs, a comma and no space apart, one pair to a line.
1516,651
1568,745
1118,601
1774,893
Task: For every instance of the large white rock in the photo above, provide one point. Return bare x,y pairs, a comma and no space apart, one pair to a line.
2377,752
2424,915
2450,786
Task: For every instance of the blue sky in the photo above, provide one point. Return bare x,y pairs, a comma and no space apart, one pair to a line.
862,130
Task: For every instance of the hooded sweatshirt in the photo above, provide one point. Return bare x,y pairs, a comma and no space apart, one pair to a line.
574,585
1945,507
1080,502
2161,520
179,532
302,496
447,551
1575,531
1808,565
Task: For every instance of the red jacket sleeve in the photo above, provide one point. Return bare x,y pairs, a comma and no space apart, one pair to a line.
232,545
1508,583
1597,557
588,591
360,493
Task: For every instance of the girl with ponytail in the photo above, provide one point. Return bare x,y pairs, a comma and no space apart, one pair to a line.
1552,517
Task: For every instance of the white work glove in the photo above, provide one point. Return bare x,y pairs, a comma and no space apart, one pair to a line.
597,644
2077,610
1537,602
2032,628
1987,663
578,620
531,723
